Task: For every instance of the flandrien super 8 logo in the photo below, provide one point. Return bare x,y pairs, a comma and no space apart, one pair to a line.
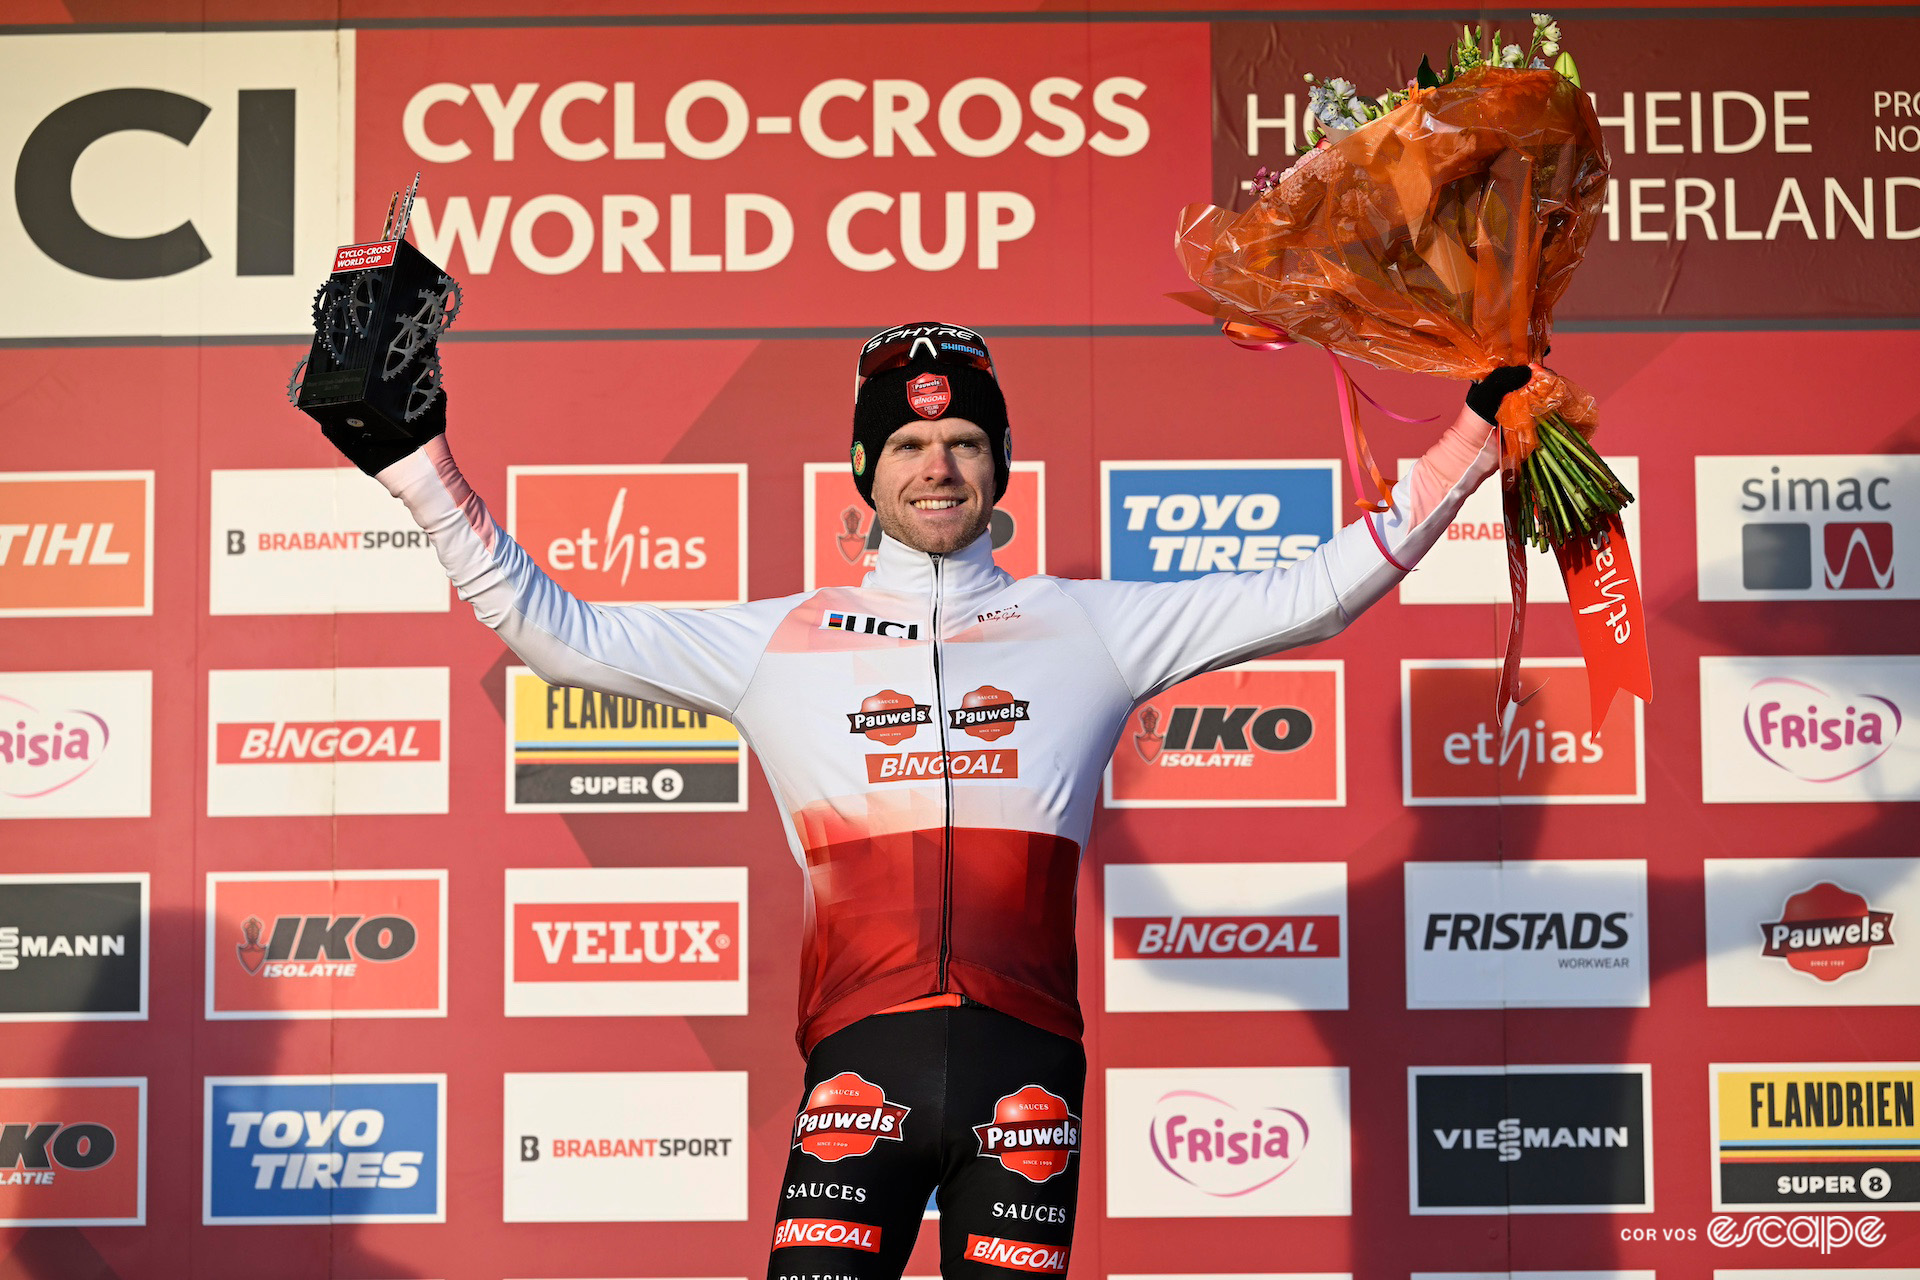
1165,522
283,1149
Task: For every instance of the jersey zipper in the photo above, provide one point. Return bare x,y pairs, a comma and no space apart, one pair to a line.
946,784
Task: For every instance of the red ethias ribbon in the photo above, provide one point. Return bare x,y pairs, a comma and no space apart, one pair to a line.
1604,590
1508,694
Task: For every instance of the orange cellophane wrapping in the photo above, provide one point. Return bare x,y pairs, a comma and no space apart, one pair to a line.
1436,239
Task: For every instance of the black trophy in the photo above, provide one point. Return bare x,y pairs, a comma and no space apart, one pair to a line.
375,360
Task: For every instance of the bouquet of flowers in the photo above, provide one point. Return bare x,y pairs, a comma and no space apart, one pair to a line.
1432,230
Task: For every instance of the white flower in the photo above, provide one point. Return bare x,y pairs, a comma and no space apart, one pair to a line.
1510,56
1541,19
1549,48
1552,32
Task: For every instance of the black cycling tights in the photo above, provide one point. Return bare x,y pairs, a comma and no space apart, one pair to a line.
980,1105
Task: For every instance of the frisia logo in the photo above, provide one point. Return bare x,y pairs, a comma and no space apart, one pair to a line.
847,1116
1032,1133
1018,1255
889,717
831,1232
1225,937
43,751
1214,1146
987,713
1827,931
1815,735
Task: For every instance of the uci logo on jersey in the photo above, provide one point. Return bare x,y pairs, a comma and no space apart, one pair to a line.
867,624
1164,522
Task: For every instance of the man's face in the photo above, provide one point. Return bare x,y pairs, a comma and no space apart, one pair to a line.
933,485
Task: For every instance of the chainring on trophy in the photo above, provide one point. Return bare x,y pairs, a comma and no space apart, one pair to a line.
443,305
413,339
349,316
419,331
295,381
425,389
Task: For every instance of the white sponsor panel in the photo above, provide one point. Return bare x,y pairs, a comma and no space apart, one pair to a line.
626,941
317,540
1815,1273
1226,936
172,183
637,1146
1546,934
1228,1142
1468,565
1808,526
76,744
1812,931
1809,729
327,740
1533,1275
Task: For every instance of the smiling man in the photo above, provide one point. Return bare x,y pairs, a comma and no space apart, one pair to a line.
935,738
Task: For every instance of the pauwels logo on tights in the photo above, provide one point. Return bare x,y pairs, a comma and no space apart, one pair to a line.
847,1116
1032,1133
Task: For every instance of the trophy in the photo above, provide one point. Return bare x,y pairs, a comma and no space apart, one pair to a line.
375,360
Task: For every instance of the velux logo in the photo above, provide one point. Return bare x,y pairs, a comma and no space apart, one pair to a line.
1806,527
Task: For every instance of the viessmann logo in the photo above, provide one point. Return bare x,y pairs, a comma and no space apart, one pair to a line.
1807,527
76,544
663,534
73,947
847,1116
843,537
73,1152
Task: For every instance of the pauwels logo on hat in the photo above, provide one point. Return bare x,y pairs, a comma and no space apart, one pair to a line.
929,395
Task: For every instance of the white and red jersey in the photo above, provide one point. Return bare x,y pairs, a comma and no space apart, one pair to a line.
935,736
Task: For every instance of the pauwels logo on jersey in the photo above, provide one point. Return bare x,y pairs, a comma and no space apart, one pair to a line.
1262,734
572,750
73,1153
76,544
847,1116
843,537
316,944
1807,1135
665,534
1032,1133
889,717
988,714
1169,521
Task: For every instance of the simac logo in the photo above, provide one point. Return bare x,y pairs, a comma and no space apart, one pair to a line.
1806,527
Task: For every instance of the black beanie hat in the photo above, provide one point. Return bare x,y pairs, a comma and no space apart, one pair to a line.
929,387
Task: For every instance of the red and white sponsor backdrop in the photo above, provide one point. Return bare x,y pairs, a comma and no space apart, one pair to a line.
230,668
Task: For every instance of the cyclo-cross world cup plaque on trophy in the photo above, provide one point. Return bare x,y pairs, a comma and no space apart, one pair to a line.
375,361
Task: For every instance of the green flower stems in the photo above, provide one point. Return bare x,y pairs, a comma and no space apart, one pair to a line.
1566,489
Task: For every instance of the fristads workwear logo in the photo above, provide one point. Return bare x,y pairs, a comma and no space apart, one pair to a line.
1791,730
1169,521
634,1146
1221,936
614,941
1530,1139
76,744
73,1153
319,944
662,534
73,947
571,750
76,544
1539,934
1815,1135
168,184
284,1149
843,537
1808,526
1812,931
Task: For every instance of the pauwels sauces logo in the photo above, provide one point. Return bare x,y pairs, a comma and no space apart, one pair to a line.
1812,931
316,540
843,538
1534,934
1808,527
1259,735
287,1149
570,750
1807,1135
1228,1142
610,941
76,544
75,744
847,1116
1786,730
1226,936
665,534
1530,1139
73,947
988,714
73,1153
1032,1133
1169,521
633,1146
889,717
1455,750
327,741
318,944
239,129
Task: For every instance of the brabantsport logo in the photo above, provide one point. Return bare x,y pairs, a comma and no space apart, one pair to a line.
1032,1133
846,1116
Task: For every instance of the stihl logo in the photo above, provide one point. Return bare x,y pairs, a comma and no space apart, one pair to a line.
322,946
322,741
889,717
826,1231
626,942
846,1116
75,543
47,544
1017,1255
1214,937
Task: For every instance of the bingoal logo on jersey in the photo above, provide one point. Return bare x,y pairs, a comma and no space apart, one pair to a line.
846,1116
1032,1133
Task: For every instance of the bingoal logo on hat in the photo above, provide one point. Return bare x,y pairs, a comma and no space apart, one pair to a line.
929,395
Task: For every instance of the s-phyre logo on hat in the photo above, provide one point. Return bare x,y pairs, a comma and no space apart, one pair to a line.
929,395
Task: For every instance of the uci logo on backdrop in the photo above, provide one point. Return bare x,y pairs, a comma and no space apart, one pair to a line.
178,183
